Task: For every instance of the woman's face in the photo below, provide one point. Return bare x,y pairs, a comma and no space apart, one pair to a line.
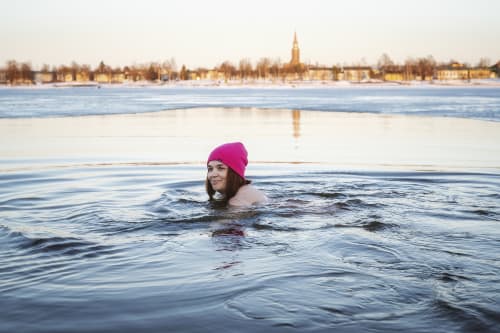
217,175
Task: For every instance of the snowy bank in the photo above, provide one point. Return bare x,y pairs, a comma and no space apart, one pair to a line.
261,84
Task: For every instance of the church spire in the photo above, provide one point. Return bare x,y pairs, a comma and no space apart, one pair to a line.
295,51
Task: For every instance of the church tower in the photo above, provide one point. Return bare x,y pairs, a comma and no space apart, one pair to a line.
295,51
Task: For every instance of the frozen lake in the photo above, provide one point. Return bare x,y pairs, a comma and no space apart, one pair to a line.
464,102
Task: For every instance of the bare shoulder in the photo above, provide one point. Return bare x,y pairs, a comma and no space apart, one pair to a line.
248,195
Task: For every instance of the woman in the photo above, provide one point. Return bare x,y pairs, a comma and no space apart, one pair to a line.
226,176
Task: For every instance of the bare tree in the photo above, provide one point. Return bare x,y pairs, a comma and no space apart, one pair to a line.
103,68
183,74
409,69
54,73
297,69
169,67
245,68
228,69
26,73
484,63
75,69
276,69
263,67
61,72
86,72
152,71
13,71
384,62
425,67
335,72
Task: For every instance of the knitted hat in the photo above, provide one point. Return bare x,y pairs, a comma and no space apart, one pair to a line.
233,154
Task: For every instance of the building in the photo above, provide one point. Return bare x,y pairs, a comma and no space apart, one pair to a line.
393,76
295,51
481,73
320,74
64,75
215,75
457,71
356,73
82,76
103,77
294,70
43,76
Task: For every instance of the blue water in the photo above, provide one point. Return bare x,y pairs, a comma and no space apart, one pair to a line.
465,102
132,246
138,248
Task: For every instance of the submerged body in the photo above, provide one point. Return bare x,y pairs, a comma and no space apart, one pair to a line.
248,195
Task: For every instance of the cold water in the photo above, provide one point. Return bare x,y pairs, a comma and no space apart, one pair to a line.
380,218
131,248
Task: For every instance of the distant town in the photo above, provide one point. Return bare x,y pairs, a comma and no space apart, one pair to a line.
267,69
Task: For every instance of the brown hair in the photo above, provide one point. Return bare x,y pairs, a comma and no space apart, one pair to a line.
233,184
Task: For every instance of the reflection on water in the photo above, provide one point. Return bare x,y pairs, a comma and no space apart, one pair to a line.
296,123
139,248
229,237
185,136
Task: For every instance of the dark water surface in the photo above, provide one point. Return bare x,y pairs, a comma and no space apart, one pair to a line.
130,248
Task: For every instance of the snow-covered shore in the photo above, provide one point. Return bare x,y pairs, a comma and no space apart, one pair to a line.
268,84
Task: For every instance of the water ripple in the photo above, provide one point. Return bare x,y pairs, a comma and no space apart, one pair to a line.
352,251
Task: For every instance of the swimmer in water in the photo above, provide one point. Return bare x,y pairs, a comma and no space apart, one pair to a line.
226,177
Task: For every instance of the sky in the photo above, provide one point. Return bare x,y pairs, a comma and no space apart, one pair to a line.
205,33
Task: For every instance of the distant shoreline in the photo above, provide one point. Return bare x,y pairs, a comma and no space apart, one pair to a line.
266,84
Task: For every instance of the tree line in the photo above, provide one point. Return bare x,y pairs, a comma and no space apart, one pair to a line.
423,67
264,68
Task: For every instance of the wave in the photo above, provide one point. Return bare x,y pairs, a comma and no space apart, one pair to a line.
52,245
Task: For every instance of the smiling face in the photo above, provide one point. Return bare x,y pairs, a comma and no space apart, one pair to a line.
217,175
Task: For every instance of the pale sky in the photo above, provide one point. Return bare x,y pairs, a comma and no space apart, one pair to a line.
205,33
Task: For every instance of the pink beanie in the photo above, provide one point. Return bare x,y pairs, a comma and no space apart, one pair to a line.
233,154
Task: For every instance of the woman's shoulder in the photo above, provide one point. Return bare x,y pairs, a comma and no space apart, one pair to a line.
248,195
